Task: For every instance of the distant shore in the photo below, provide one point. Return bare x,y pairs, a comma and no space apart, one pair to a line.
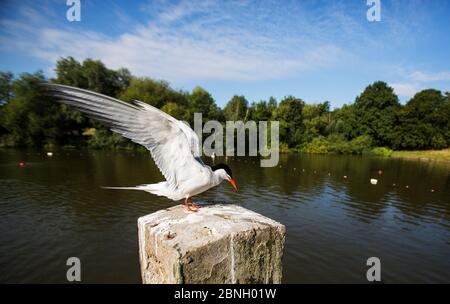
426,155
435,155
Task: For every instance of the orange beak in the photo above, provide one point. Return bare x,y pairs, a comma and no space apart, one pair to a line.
232,182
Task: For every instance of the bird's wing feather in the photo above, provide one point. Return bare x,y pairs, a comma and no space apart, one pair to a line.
173,144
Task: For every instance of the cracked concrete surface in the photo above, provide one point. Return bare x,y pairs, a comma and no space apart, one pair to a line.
218,244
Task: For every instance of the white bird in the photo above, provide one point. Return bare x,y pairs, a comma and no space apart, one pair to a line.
173,145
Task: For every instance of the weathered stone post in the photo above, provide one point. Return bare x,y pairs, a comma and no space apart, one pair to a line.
217,244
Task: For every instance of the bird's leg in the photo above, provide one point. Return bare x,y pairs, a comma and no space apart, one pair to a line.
186,203
194,205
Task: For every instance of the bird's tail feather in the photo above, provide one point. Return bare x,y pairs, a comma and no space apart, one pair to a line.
124,188
161,189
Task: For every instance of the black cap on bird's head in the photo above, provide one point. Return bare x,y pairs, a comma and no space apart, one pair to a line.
228,171
222,166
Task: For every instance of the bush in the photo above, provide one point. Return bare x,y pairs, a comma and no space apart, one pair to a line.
103,138
338,144
381,151
284,148
318,145
361,144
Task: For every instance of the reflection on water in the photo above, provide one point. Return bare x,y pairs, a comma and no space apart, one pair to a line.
54,208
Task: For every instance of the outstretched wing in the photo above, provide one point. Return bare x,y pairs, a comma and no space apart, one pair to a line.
173,144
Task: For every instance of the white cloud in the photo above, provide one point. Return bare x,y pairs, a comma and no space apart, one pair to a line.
411,81
430,77
201,49
183,9
405,89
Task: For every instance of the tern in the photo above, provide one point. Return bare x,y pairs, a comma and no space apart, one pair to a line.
173,145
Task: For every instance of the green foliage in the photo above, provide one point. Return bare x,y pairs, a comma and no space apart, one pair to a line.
345,122
289,114
104,139
176,110
317,119
27,118
376,111
153,92
381,151
318,145
200,101
236,109
424,122
361,144
337,144
6,80
91,75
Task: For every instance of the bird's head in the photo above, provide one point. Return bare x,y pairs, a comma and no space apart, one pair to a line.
223,172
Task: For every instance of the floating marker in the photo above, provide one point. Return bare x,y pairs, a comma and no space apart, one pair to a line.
380,172
373,181
22,164
345,176
50,154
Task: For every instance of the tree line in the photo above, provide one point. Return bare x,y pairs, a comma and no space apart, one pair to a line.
375,119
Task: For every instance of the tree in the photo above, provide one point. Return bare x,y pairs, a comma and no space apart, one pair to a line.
344,121
236,109
376,110
261,111
27,118
316,119
153,92
289,114
92,75
30,118
424,122
176,110
200,101
6,79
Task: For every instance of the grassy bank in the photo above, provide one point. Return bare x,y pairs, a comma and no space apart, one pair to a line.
440,155
351,148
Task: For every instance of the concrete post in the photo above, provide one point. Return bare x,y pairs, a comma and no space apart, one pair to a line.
217,244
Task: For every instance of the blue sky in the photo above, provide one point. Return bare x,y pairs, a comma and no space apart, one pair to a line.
316,50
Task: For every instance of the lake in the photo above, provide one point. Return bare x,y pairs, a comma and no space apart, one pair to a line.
54,208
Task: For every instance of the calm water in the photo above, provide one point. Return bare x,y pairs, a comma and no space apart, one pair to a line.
54,208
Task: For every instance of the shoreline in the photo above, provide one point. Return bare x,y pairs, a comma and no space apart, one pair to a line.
424,155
